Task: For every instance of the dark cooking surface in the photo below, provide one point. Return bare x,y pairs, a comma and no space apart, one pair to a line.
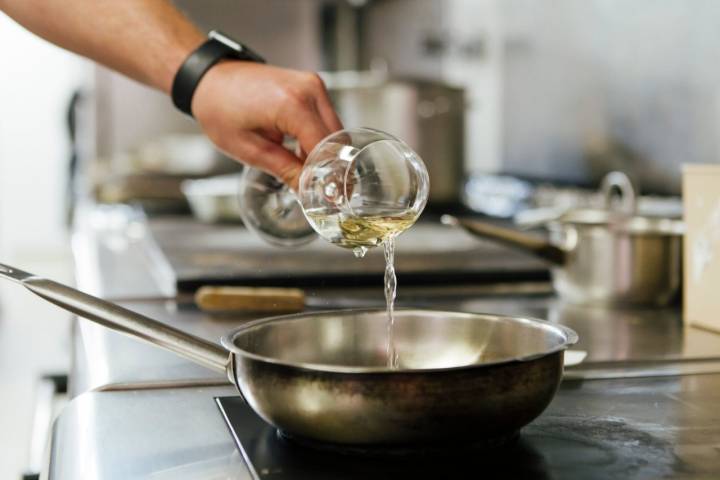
620,429
429,253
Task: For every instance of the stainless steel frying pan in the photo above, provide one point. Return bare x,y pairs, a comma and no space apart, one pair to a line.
324,376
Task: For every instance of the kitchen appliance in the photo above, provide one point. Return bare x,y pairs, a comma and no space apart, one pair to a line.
608,256
198,254
324,376
265,450
427,114
574,438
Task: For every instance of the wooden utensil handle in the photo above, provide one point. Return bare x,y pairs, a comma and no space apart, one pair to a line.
260,299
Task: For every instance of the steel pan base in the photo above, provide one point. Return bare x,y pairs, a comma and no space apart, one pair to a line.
391,451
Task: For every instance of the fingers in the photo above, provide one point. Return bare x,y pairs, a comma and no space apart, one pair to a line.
262,153
274,102
308,114
327,111
272,135
306,125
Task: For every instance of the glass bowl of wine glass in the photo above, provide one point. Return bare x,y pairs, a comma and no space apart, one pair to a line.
357,188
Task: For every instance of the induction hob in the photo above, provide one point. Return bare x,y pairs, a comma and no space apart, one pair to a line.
553,446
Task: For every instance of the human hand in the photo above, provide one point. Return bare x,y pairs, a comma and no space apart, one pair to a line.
247,108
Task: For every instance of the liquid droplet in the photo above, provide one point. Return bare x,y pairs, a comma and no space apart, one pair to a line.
359,252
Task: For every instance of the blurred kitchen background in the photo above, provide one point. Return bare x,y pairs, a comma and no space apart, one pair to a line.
547,91
506,100
502,98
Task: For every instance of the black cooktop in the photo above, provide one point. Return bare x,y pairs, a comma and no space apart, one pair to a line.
428,254
580,436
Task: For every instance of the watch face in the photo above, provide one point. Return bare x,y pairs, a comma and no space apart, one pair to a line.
225,40
243,52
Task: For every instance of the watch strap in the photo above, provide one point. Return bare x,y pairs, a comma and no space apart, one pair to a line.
218,47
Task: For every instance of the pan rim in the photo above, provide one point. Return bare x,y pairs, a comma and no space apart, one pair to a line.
227,341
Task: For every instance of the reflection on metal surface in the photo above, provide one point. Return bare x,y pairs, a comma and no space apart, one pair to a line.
574,357
347,394
88,436
642,370
113,238
122,435
160,384
214,468
443,357
616,333
299,340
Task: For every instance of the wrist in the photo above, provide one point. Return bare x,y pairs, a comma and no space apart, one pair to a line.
176,55
217,48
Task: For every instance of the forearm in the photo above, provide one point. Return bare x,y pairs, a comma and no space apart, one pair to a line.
245,108
144,39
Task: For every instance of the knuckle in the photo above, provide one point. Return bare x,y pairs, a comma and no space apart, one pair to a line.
220,141
298,98
265,149
314,81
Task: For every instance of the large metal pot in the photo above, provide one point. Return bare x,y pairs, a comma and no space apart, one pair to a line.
603,256
324,376
428,115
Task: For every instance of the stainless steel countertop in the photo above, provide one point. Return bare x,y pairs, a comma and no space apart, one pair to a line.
623,428
159,434
145,425
117,258
619,343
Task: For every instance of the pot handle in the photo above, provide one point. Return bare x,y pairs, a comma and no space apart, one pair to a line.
510,237
122,320
618,183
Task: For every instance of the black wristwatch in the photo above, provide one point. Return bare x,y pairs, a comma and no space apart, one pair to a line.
218,47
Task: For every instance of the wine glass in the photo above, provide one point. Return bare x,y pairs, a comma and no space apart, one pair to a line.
357,188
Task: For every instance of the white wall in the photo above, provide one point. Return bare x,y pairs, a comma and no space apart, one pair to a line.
468,53
36,81
474,61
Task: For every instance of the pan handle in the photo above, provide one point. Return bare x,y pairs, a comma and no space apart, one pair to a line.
511,238
122,320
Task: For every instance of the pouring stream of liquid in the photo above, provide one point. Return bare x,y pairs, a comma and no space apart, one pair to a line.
390,293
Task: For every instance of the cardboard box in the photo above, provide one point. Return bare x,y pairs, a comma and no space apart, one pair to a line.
701,263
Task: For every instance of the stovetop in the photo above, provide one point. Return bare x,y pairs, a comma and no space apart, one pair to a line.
562,443
428,254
